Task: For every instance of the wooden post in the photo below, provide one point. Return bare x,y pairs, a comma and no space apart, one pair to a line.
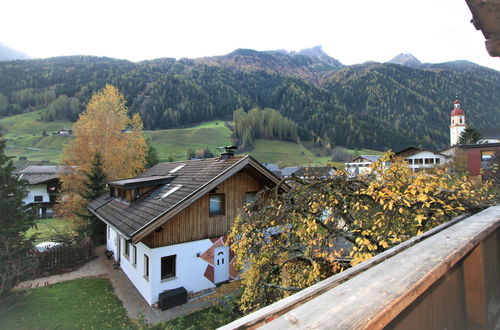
476,301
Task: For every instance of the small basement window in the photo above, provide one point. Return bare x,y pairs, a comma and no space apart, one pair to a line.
134,255
168,267
146,267
216,204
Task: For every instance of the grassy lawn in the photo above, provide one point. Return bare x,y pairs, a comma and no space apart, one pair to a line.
87,303
24,134
289,153
176,142
25,131
46,228
209,318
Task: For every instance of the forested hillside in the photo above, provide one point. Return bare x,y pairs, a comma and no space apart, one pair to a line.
370,105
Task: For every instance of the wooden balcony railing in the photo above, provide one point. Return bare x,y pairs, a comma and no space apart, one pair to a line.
447,278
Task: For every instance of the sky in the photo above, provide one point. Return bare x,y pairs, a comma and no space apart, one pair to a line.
352,31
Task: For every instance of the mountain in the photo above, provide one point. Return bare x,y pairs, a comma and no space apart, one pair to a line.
317,52
7,54
312,64
371,105
407,60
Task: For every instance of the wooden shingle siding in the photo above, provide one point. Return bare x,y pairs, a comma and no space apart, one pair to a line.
194,222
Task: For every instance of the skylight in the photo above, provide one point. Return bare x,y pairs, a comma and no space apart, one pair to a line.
177,168
171,191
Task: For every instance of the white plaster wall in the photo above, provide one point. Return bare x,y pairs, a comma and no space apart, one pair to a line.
136,273
423,155
189,268
361,167
110,241
36,190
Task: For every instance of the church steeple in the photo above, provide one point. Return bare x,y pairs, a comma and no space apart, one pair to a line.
457,125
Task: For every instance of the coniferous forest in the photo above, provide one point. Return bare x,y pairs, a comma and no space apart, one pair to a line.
369,105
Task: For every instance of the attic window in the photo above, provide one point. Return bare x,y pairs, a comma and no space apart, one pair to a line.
177,168
171,191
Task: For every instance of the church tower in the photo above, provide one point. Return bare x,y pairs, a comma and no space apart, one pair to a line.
457,123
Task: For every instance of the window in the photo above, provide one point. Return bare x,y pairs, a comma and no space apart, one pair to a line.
249,196
134,255
428,161
486,158
216,204
38,198
126,251
168,267
438,160
146,267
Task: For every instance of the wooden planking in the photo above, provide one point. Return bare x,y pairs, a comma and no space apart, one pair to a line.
440,307
194,222
271,312
372,299
475,288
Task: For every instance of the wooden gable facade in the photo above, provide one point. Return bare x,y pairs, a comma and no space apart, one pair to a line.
195,222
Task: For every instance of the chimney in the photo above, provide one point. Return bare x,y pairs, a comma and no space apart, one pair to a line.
228,153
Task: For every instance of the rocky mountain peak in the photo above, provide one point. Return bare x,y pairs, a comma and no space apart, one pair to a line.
406,60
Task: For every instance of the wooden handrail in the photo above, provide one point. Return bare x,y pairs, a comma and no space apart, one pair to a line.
374,292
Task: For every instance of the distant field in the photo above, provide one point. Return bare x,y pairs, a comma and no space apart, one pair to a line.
176,142
288,153
24,134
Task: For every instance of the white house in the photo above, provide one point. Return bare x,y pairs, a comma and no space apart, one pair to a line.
43,187
421,159
361,164
167,227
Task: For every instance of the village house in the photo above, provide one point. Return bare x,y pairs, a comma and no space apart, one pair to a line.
43,188
361,164
167,227
421,159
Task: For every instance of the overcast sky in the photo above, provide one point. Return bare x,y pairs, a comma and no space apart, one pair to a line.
352,31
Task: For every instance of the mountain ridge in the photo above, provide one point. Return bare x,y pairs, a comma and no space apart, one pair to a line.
9,54
375,105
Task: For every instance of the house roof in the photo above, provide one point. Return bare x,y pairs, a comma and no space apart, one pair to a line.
490,133
410,151
141,182
35,174
480,145
314,172
288,171
371,158
195,178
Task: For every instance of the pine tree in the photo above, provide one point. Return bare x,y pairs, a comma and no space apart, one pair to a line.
152,155
94,186
16,258
470,135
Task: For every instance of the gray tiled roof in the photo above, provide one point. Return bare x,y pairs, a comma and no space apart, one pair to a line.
371,158
490,133
39,174
129,218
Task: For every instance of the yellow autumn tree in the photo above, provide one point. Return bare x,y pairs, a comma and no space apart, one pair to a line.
321,227
105,128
